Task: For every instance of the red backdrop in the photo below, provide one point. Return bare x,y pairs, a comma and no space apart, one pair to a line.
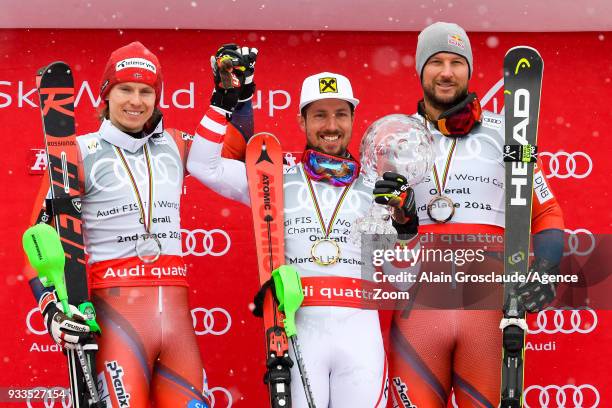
574,116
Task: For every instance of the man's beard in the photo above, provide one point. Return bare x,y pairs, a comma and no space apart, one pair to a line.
438,104
341,153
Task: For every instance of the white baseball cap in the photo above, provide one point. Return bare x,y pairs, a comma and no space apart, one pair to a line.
327,85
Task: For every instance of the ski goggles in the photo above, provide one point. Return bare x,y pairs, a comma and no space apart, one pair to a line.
337,171
461,118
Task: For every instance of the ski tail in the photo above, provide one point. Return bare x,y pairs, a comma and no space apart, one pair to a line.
55,85
523,68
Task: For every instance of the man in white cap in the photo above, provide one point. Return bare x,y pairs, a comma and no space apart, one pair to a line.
341,342
436,350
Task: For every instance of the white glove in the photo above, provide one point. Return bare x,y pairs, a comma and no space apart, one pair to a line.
65,331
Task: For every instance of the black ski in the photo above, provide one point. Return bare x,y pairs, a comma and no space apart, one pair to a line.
523,67
56,91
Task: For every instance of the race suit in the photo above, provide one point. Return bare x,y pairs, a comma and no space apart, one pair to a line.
435,350
148,351
341,344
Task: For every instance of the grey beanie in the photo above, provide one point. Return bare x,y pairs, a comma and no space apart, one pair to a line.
442,37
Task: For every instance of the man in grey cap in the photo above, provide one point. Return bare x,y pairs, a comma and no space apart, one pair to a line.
435,351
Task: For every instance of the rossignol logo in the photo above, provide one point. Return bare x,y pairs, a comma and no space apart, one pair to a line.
116,373
76,203
136,63
456,41
401,390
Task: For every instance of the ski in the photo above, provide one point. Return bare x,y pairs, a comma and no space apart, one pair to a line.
523,67
56,92
264,164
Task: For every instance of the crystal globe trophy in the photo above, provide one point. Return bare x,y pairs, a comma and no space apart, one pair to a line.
400,144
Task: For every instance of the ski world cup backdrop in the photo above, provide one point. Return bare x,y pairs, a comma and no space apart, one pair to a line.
567,358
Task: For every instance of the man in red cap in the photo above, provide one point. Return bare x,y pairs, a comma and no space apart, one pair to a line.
131,171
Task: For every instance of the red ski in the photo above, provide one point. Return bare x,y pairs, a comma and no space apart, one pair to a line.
56,90
264,164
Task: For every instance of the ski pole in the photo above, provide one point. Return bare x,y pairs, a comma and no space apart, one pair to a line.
290,296
46,255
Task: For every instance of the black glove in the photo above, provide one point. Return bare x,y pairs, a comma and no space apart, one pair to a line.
393,190
65,331
535,295
233,70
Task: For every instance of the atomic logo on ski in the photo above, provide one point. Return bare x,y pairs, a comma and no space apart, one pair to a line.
264,156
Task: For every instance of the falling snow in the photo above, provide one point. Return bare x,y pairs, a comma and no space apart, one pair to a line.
492,41
408,60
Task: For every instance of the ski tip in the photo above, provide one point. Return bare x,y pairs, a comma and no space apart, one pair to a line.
522,47
264,135
56,65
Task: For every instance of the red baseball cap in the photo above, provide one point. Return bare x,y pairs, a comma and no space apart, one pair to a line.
132,63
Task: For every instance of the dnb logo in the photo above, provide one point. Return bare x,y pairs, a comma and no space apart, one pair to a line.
201,242
564,321
569,395
216,321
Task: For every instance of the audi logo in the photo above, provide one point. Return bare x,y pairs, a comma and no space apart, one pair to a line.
31,313
215,392
216,321
564,165
578,396
50,397
565,321
165,168
200,242
580,242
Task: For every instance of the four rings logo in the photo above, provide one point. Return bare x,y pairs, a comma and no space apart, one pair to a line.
39,322
564,165
565,321
578,396
200,242
218,394
50,397
580,242
216,321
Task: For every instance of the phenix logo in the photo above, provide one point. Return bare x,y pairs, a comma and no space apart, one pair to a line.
401,393
116,373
